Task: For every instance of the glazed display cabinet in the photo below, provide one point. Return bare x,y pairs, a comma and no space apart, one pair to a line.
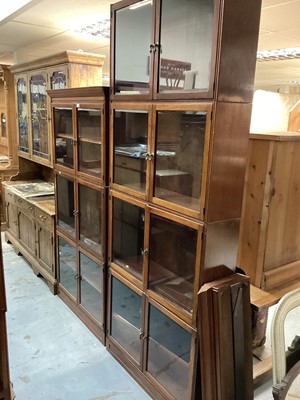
32,81
179,123
159,152
79,133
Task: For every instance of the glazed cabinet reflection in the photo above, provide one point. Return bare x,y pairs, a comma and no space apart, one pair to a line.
81,283
159,152
153,339
163,65
79,126
80,232
156,251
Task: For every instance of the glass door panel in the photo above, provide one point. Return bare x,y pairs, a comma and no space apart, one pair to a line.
91,277
126,310
130,148
90,141
58,80
133,33
180,137
128,237
67,264
90,218
169,352
22,110
65,205
39,118
63,132
172,261
186,67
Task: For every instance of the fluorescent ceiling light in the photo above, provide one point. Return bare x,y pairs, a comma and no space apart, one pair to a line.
9,7
140,4
279,54
99,29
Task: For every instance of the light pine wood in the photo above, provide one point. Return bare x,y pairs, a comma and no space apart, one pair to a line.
30,229
270,230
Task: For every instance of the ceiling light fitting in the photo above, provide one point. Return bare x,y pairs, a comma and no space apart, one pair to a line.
100,29
277,55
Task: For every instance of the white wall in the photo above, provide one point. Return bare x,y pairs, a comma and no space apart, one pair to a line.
270,111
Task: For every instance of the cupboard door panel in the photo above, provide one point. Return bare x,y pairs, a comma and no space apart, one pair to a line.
22,110
67,266
89,141
130,149
186,66
27,232
39,115
126,310
172,261
63,136
128,237
91,287
65,205
45,248
133,35
12,217
169,354
90,218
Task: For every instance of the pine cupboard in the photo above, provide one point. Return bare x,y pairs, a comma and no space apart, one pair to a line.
32,80
269,237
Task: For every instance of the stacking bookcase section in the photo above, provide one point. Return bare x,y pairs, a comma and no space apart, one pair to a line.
79,131
163,359
181,93
159,152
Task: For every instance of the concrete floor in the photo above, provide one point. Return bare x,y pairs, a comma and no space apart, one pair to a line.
53,356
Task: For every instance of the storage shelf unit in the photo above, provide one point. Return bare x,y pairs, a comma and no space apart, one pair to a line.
179,123
32,80
80,157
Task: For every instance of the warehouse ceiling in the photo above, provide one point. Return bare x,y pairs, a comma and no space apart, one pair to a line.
44,27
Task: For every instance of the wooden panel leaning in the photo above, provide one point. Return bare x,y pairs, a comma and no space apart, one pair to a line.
225,346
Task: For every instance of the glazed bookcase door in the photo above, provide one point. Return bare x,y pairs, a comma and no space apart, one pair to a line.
133,49
172,270
130,148
179,170
67,266
174,44
39,116
22,98
91,219
170,353
125,324
185,38
127,237
64,137
90,141
65,206
91,273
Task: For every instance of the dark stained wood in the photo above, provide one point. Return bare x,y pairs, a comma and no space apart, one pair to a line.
237,50
230,127
225,331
